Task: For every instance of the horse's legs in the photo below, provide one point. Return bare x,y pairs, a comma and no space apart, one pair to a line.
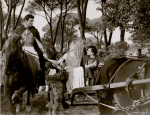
28,98
19,104
18,93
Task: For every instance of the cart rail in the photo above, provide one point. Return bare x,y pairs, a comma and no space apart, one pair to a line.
112,86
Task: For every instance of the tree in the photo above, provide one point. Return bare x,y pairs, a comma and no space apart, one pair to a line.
69,30
50,6
1,25
94,27
11,6
117,12
140,24
107,26
81,8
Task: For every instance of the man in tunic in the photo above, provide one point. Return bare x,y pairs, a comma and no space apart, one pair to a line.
31,42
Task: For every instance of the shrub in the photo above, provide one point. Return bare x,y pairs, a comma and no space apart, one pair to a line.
116,50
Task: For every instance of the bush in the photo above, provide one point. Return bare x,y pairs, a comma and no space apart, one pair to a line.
116,50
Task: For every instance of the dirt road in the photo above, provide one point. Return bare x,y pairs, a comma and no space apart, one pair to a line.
38,107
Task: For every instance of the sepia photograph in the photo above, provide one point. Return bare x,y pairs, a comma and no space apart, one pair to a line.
74,57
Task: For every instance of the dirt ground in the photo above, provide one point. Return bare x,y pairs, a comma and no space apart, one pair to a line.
38,107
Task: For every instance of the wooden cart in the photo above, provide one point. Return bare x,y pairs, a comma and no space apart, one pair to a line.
56,88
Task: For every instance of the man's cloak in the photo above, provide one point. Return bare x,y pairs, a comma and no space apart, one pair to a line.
19,30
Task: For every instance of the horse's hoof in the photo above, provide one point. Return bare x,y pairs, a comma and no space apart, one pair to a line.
47,105
14,97
65,106
18,107
29,108
47,88
41,88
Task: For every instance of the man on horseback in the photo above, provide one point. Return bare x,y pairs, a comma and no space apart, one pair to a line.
31,44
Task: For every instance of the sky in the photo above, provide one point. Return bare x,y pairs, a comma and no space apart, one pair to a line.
40,21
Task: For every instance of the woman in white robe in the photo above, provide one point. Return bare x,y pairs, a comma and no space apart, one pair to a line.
73,61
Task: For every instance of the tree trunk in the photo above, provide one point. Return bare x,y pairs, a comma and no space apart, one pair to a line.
107,42
100,42
8,20
81,8
1,25
122,33
19,15
110,37
13,21
105,39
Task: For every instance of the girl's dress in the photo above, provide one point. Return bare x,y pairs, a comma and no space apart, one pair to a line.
76,73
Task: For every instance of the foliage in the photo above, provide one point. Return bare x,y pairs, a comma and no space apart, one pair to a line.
49,7
69,31
94,27
10,20
116,50
140,24
117,12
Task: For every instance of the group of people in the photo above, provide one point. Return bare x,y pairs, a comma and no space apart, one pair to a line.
82,69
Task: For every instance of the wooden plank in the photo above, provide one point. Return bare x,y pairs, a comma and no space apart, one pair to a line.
112,85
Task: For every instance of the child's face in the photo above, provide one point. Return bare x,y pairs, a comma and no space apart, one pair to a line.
89,52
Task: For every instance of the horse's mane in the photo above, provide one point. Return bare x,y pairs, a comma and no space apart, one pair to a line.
13,58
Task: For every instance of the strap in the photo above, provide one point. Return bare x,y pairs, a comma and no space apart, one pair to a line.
129,85
39,44
117,71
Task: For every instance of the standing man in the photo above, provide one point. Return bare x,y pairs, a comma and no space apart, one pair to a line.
32,43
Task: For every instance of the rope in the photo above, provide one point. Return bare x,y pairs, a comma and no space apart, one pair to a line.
111,107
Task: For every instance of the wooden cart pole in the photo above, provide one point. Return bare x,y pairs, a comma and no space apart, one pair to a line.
112,85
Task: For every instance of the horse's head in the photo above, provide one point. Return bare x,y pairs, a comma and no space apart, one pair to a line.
13,52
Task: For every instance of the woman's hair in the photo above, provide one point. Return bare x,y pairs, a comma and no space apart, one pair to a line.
79,45
93,49
73,41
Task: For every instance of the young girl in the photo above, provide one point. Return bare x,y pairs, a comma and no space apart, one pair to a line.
73,59
92,64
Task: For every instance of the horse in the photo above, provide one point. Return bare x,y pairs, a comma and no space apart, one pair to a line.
18,75
120,70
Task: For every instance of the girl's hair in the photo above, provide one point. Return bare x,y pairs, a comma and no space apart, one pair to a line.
93,49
